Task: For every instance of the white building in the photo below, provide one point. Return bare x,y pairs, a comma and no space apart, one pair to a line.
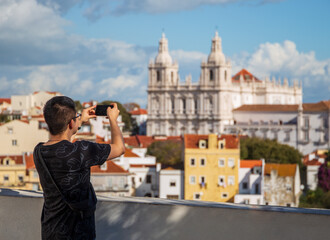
144,170
140,116
282,184
25,103
304,126
171,183
205,107
313,161
250,175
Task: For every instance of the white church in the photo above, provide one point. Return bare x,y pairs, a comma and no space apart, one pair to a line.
176,108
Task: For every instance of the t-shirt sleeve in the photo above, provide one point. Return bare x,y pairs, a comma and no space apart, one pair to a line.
94,153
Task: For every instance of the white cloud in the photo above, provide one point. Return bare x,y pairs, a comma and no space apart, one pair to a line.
96,9
284,60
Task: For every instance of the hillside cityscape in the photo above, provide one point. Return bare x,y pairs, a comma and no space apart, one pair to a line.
226,138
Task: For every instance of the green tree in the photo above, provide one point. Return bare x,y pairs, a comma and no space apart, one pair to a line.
166,152
270,150
78,106
126,117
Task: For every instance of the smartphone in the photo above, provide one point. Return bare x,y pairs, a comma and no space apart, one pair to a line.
101,110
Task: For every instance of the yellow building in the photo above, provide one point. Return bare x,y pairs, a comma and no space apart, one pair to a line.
211,166
19,172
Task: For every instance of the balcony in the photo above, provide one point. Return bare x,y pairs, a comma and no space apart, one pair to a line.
151,218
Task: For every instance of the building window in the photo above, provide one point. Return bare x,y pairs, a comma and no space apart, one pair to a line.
257,188
288,188
10,130
245,185
196,106
222,181
14,142
202,144
148,179
140,179
231,180
7,162
211,75
246,201
224,195
20,178
172,77
6,178
202,180
192,179
231,162
225,75
158,76
197,196
192,162
306,136
221,144
174,197
288,204
222,162
287,136
202,162
173,105
306,122
183,105
172,183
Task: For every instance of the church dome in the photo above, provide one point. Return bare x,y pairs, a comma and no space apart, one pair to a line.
163,54
216,55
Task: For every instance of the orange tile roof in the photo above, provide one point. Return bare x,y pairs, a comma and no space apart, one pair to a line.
142,165
17,158
283,170
29,161
139,111
144,141
307,107
5,100
53,93
129,153
192,140
250,163
111,168
315,161
247,76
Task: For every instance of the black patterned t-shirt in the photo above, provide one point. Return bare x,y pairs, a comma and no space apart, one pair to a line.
69,164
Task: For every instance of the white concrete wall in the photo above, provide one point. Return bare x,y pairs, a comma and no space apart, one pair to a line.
166,177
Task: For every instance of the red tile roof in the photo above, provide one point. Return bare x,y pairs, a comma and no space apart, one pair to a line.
111,168
52,93
139,111
192,140
315,161
129,153
17,158
247,76
283,170
141,141
142,165
250,163
307,107
29,161
5,100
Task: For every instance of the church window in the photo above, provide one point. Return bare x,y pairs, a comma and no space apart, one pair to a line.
196,106
172,77
211,75
225,75
158,76
173,106
183,105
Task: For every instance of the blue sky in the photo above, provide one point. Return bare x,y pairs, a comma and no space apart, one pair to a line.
100,49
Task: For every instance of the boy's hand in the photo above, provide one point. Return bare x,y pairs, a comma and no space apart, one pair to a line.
113,112
88,113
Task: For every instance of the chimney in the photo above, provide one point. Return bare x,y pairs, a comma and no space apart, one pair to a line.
213,141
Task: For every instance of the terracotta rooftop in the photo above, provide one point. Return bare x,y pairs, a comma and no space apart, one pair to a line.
142,165
316,155
29,161
307,107
17,158
5,100
111,168
246,75
283,170
139,111
141,141
129,153
250,163
192,140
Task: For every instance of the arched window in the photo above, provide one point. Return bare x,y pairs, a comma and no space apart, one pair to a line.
211,75
158,76
183,105
172,77
225,75
196,106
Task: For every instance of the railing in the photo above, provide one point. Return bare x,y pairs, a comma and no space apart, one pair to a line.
151,218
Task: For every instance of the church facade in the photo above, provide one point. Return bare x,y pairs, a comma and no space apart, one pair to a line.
176,108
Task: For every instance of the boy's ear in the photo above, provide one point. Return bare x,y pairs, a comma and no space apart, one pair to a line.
70,124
